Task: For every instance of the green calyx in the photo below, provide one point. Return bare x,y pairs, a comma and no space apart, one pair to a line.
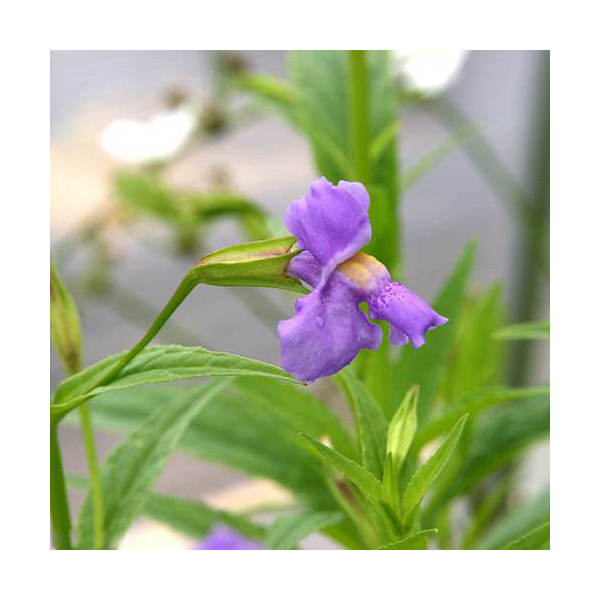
255,264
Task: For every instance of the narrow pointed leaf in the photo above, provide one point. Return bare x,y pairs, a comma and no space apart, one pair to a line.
517,523
371,425
536,539
428,472
192,518
196,519
402,428
158,364
361,477
131,469
414,541
425,366
473,404
287,532
539,330
497,437
248,428
475,359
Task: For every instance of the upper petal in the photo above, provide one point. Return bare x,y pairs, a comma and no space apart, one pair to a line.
326,333
331,222
410,316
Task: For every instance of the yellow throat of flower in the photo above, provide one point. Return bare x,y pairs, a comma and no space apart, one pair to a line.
364,271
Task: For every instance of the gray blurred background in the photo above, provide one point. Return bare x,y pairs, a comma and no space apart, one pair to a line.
270,163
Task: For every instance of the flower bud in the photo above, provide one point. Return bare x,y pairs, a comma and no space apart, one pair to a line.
256,264
65,331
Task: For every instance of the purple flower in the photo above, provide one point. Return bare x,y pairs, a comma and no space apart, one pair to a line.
331,225
222,538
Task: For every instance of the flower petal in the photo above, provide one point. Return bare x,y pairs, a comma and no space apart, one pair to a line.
331,222
306,267
222,538
326,333
410,316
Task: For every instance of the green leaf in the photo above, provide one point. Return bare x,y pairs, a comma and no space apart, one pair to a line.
414,541
158,364
274,92
496,438
539,330
427,473
402,428
320,79
361,477
475,359
196,519
241,428
131,469
517,522
192,518
65,331
371,425
473,404
425,366
286,532
303,412
536,539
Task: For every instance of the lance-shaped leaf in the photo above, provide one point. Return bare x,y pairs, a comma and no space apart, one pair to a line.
131,469
473,404
371,425
497,437
539,330
286,532
158,364
244,431
536,539
428,472
425,366
414,541
65,331
400,436
357,474
520,520
192,518
403,426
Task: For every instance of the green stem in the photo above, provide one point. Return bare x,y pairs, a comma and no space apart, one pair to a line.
87,432
59,503
534,240
358,109
188,283
181,293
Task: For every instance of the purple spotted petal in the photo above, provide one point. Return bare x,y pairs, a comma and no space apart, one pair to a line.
326,333
331,222
223,538
410,316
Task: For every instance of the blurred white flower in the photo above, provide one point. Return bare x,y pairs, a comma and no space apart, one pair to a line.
428,71
140,142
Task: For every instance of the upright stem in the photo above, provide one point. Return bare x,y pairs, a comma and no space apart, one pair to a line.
534,240
87,432
59,503
358,106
